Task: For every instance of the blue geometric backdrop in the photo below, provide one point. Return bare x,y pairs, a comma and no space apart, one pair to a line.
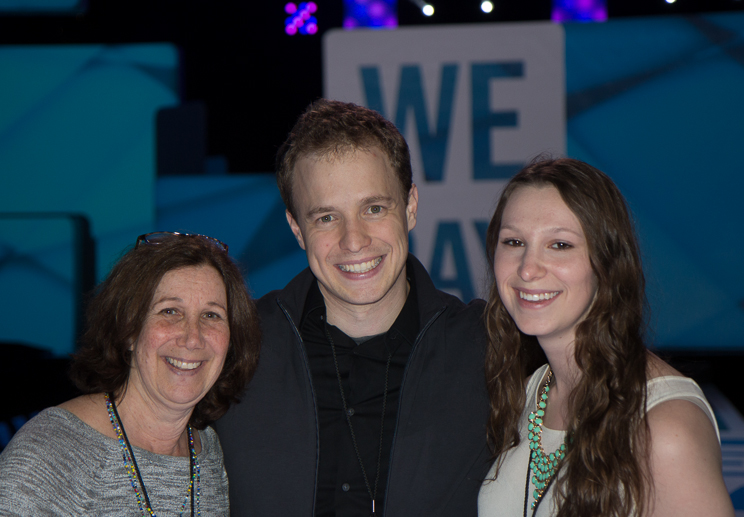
77,138
657,104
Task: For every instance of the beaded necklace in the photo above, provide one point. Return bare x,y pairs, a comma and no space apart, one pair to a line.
543,466
135,478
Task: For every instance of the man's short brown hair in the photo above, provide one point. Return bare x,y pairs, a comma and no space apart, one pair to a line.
333,129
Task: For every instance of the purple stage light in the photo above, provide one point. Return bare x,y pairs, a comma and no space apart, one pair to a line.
301,19
370,13
579,11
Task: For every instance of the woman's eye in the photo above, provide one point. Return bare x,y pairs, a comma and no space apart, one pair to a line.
512,242
169,312
212,316
561,246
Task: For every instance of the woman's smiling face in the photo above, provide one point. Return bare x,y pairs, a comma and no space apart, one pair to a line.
182,347
541,265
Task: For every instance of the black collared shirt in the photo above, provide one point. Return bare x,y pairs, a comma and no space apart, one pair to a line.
341,490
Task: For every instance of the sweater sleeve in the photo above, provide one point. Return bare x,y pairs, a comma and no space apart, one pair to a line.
39,471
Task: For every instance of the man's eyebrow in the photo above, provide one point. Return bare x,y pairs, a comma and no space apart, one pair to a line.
377,199
318,210
371,200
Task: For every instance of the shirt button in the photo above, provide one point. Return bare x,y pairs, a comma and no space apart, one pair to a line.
350,411
345,487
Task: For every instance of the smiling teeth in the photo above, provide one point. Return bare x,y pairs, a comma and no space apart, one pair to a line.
537,297
181,365
361,268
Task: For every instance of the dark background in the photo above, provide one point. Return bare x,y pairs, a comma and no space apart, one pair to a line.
253,79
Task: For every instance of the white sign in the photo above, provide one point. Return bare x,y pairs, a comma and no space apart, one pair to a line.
475,103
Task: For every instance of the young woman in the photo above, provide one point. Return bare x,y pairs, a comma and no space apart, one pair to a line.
605,428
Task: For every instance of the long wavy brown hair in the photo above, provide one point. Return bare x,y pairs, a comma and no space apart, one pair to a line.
605,471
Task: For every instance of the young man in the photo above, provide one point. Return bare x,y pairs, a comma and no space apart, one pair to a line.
369,396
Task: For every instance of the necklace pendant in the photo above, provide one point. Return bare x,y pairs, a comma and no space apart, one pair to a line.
543,466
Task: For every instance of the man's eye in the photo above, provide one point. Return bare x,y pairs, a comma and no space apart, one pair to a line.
326,219
375,209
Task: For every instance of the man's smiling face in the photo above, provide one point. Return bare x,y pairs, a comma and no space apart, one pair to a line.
353,222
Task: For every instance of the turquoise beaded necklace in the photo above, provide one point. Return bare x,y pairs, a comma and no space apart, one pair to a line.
543,466
135,478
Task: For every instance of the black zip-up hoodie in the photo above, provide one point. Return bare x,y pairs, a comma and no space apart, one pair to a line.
439,456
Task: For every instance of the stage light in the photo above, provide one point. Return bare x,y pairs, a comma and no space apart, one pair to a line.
301,19
487,6
427,9
579,10
670,1
370,13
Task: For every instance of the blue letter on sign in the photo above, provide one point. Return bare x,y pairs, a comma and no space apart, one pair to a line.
372,89
484,119
449,236
411,95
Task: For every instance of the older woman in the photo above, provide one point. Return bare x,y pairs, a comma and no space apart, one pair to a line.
605,427
172,339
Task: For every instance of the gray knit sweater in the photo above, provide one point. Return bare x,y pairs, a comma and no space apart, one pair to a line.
58,465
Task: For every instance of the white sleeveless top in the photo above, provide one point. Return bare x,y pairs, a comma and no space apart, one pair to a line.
505,495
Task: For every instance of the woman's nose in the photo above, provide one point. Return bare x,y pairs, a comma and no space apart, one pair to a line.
532,267
192,338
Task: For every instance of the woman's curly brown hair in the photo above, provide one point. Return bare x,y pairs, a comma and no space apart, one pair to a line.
605,471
